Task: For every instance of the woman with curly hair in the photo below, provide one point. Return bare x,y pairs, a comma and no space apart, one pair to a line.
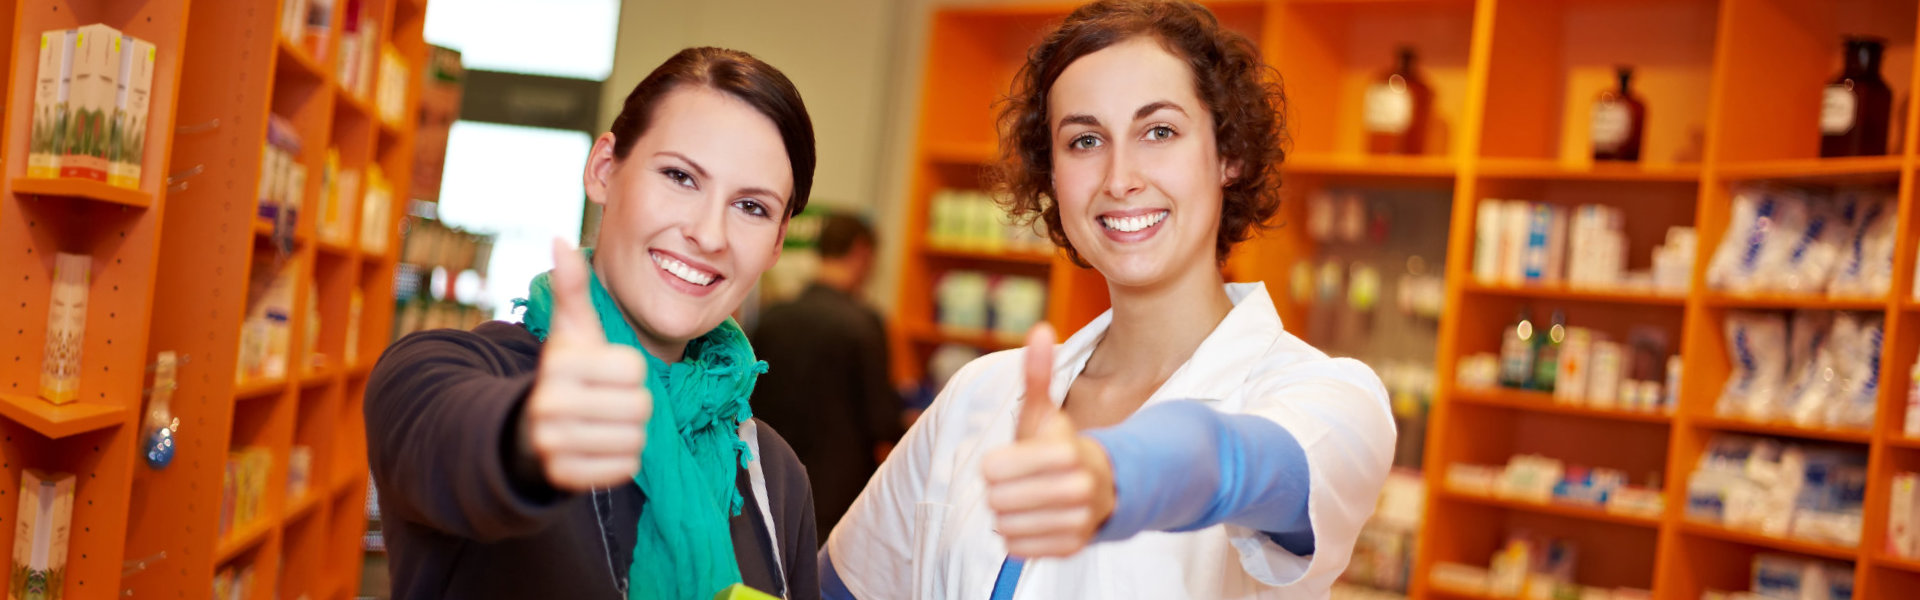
1182,445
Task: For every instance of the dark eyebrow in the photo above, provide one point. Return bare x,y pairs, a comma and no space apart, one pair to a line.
1077,119
1153,107
697,170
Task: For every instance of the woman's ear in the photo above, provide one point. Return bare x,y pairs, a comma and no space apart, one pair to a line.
598,175
1229,171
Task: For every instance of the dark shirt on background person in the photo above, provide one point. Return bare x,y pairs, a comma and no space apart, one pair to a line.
827,387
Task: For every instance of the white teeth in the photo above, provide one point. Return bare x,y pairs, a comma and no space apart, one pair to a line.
1132,224
682,270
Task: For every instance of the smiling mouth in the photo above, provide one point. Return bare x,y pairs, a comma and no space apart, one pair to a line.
1134,223
683,270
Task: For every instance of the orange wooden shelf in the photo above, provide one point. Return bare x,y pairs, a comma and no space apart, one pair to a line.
1902,441
962,153
1372,166
98,191
343,483
61,420
1543,402
259,387
353,103
1563,292
304,506
1005,256
335,249
243,537
1853,436
1766,541
1552,508
1895,562
1553,170
319,376
932,334
294,56
1815,169
1794,301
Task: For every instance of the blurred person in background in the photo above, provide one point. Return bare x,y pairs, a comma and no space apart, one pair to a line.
828,386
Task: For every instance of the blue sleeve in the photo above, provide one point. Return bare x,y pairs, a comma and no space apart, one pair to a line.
1254,470
831,587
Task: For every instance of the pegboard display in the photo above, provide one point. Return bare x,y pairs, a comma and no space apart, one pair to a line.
172,269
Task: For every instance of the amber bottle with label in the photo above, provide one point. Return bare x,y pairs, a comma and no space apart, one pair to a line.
1398,106
1618,120
1854,108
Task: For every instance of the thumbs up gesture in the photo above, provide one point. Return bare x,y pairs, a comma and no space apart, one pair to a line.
1052,488
586,419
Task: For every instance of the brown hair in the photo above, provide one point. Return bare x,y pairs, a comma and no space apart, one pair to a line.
736,74
1244,94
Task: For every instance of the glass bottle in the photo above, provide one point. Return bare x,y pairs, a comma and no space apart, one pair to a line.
1398,106
1546,361
1854,109
1516,352
1618,119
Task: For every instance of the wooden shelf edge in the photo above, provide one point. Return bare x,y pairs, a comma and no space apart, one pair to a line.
241,539
1895,562
354,103
322,376
1813,168
1005,256
1543,402
1719,423
1796,301
1573,511
1903,441
1574,294
98,191
61,420
256,388
304,506
300,59
1551,169
1723,533
961,153
1372,165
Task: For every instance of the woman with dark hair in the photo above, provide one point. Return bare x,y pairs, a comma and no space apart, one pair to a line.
604,447
1182,445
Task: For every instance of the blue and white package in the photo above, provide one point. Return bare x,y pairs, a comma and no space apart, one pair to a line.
1857,359
1810,369
1866,265
1813,237
1737,260
1757,347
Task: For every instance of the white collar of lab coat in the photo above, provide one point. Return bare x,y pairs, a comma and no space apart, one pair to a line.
1218,366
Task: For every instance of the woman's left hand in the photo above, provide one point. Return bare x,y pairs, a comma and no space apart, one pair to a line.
1052,488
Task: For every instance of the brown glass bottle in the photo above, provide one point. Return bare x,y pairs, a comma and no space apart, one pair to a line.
1398,106
1854,108
1618,120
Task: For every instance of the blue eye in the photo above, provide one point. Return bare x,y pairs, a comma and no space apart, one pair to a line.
678,176
752,207
1160,133
1084,142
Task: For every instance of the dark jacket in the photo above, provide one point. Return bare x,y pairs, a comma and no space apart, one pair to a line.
827,385
464,515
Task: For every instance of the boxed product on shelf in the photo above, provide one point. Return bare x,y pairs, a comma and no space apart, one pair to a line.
66,328
245,487
971,220
41,535
316,359
52,91
1782,577
282,176
90,102
390,96
330,215
133,99
1806,241
356,302
376,211
1516,242
299,471
1540,479
1903,516
1527,566
229,584
358,35
293,20
1780,490
1579,366
1815,369
266,333
972,301
319,26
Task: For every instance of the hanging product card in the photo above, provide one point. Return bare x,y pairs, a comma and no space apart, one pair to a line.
160,423
40,536
66,328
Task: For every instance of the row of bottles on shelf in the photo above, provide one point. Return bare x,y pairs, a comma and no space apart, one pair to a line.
1580,366
1811,368
1540,479
1781,239
266,334
972,220
91,101
433,243
1358,285
974,301
1528,566
1854,114
1784,577
1780,490
282,193
1518,242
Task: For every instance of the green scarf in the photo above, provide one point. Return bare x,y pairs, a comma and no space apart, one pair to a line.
684,549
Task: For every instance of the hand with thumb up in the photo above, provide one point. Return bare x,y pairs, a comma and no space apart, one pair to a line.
586,419
1052,488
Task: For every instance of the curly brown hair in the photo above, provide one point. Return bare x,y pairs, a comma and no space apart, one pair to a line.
1244,94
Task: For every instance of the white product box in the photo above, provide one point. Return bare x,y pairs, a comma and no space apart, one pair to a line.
96,66
132,102
52,87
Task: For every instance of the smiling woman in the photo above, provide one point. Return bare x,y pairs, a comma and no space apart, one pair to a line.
1182,445
509,457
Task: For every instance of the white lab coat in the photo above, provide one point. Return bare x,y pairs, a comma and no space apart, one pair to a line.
922,528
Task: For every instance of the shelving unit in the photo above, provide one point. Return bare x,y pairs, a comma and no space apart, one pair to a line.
171,267
1732,93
